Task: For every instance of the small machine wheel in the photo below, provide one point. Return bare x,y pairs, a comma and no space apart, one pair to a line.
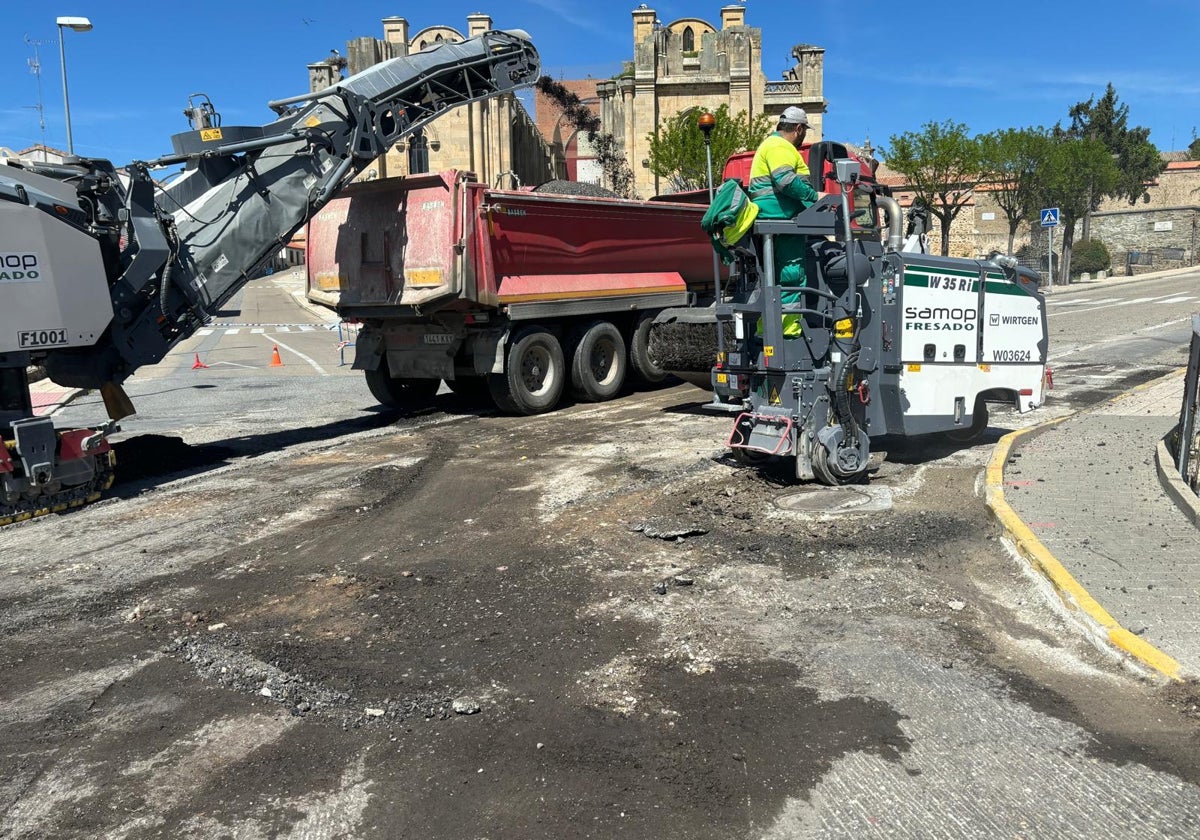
534,373
825,474
640,363
979,424
400,393
598,363
750,457
820,465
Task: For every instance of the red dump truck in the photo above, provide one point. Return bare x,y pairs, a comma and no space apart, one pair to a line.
522,294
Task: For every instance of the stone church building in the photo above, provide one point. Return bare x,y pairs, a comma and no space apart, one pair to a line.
496,139
686,64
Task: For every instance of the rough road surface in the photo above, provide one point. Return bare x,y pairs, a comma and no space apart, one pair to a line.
587,624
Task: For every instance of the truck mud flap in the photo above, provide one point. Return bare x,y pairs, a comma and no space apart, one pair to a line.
368,351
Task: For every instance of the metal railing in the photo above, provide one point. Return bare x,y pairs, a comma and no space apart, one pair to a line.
1187,456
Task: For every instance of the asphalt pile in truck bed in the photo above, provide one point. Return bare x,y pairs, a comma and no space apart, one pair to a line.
574,188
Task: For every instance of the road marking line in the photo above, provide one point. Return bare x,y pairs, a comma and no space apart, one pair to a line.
257,331
1073,302
1180,299
312,362
205,332
1121,303
232,331
1072,593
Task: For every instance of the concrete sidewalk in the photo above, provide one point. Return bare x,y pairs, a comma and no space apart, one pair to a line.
47,397
1113,281
1088,489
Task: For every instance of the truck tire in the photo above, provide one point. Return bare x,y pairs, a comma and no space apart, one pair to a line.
400,393
534,373
598,362
641,365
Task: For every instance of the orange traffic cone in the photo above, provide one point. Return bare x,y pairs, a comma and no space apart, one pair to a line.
197,365
275,360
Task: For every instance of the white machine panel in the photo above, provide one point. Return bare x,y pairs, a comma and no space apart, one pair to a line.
941,311
53,292
1012,324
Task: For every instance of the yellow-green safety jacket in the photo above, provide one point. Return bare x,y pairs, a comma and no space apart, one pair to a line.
779,180
779,186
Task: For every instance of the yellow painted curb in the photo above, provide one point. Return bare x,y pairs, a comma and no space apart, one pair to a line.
1069,590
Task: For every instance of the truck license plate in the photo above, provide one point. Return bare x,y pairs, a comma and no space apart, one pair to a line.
439,338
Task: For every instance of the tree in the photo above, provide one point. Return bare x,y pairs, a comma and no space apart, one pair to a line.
942,164
1194,147
1073,171
617,174
1010,160
677,146
1137,159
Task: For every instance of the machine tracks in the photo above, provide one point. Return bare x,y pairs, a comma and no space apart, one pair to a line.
66,499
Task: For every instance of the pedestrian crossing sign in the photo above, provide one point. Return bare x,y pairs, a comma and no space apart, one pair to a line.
1050,217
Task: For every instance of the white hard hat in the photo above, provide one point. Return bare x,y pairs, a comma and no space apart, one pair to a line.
794,116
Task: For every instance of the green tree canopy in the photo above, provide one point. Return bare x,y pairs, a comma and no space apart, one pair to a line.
943,165
1107,119
1011,160
677,146
1072,173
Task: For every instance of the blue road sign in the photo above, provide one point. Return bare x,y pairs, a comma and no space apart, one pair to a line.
1050,217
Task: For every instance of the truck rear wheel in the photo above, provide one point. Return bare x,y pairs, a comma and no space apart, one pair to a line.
400,393
640,363
534,373
598,363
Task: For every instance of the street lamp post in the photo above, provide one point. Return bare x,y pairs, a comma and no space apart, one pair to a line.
78,24
707,122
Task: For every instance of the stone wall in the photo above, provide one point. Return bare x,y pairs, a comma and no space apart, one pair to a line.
1147,240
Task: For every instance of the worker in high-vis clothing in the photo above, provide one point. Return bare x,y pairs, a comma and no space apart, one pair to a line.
780,187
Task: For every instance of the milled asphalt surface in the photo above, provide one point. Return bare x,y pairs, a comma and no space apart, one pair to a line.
1088,488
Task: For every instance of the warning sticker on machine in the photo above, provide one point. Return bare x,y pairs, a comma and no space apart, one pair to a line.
41,338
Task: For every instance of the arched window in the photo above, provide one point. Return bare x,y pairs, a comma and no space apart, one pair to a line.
418,153
422,45
689,40
438,39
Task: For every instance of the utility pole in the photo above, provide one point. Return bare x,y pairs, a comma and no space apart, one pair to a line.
35,67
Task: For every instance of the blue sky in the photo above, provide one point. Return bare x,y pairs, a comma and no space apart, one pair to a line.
887,70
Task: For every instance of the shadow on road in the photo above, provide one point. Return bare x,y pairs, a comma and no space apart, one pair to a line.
146,460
